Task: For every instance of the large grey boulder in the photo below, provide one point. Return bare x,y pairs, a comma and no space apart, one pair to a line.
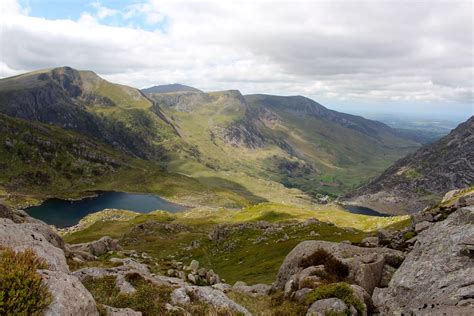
215,298
70,297
365,264
329,305
96,247
438,274
20,237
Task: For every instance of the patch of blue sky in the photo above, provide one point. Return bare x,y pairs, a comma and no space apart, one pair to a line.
73,9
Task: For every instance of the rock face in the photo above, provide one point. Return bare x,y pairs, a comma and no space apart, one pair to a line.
434,169
438,274
70,297
366,265
19,237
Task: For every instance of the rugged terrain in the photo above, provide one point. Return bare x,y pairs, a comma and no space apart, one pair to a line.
423,267
421,178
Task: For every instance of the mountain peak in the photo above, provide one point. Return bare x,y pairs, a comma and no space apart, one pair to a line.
169,88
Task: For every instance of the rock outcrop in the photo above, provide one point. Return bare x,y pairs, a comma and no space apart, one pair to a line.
437,276
366,266
69,296
95,248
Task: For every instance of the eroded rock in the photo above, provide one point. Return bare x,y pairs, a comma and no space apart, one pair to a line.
437,276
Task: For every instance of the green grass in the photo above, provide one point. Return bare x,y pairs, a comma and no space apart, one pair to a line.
341,291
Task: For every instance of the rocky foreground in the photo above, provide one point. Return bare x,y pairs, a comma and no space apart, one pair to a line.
425,269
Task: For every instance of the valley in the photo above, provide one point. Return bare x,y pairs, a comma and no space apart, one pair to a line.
211,202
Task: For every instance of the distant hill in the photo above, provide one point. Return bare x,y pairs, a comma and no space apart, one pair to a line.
421,178
291,140
166,88
82,101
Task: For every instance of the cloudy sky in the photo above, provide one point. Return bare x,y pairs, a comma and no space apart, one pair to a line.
354,56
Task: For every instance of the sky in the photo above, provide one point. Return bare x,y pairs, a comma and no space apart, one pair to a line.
372,56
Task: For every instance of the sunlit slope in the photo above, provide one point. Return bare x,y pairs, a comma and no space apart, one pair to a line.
289,140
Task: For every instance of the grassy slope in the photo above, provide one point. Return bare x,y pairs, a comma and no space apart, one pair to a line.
345,158
248,259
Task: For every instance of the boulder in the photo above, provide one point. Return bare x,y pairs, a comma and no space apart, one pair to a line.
114,311
97,247
180,297
437,276
194,266
327,306
70,297
253,290
215,298
364,297
365,264
20,237
301,295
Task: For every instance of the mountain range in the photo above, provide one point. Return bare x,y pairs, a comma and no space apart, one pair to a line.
211,137
238,149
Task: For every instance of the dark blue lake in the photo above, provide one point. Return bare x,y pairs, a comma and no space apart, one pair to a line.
64,213
364,211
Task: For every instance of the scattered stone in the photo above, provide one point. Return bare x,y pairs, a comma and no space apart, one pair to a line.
194,265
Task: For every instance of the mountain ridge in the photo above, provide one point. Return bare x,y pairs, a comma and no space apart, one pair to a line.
421,178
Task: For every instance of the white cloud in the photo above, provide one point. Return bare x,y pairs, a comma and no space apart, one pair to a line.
342,50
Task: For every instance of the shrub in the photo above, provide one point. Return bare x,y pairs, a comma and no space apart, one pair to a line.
21,289
336,270
341,291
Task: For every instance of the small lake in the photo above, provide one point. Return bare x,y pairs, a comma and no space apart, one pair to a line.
364,211
65,213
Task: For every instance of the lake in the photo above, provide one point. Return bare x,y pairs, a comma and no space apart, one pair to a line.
65,213
364,211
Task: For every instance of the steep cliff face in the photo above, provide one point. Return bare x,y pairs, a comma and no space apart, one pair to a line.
421,178
82,101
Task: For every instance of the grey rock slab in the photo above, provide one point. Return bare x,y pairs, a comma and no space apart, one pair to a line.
437,274
20,237
70,297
